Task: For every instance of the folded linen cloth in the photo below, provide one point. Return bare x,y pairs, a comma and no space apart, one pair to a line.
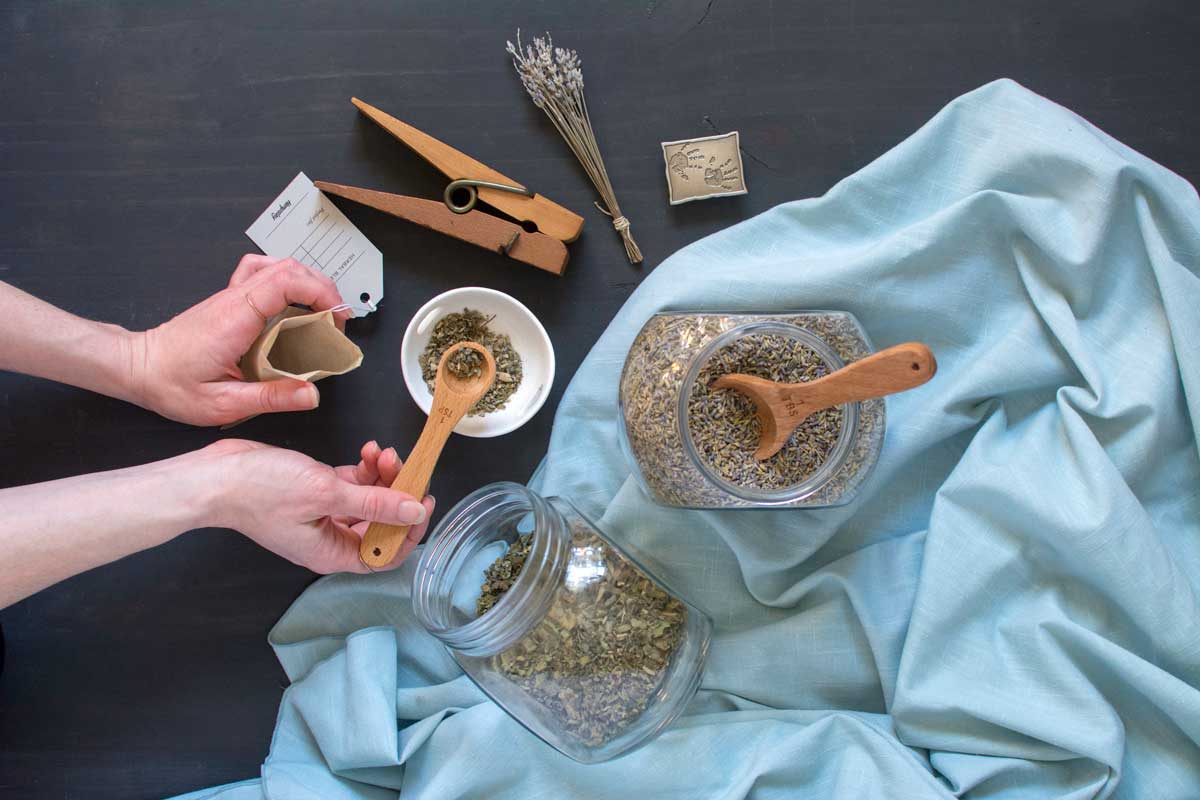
1010,609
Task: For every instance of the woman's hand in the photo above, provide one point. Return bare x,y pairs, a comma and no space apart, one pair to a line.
308,513
312,514
187,369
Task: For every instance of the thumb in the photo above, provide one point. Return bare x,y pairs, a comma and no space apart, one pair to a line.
264,397
378,504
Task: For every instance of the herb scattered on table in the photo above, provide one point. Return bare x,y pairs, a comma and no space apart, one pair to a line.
725,427
601,651
473,326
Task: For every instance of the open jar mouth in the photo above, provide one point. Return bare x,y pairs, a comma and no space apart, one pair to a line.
833,462
450,570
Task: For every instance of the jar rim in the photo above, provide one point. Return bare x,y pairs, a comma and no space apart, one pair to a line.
833,462
457,538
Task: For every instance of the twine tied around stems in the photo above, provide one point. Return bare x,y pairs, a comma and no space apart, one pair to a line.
621,224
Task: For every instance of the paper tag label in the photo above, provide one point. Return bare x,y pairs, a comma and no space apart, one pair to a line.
303,224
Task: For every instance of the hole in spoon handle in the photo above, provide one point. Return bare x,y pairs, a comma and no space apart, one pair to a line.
895,369
381,543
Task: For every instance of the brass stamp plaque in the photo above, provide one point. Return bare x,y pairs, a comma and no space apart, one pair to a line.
698,169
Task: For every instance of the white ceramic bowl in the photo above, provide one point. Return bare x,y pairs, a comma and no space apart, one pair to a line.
529,339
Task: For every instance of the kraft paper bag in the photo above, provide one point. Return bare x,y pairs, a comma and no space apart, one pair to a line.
300,344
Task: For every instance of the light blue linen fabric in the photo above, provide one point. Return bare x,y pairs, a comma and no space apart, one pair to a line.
1009,611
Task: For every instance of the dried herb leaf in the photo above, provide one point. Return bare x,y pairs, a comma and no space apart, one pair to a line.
473,326
465,362
601,651
499,577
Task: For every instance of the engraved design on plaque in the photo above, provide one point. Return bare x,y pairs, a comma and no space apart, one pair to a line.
698,169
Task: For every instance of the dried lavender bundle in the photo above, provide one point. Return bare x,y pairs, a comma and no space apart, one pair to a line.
553,76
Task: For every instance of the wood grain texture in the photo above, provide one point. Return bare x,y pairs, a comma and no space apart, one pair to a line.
453,397
783,406
475,227
549,217
141,139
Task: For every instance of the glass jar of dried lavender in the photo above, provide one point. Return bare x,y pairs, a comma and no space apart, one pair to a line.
692,446
557,624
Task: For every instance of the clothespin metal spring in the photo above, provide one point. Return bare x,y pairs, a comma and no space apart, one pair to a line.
473,196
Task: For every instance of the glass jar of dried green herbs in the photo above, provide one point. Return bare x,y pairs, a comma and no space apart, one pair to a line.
692,446
557,624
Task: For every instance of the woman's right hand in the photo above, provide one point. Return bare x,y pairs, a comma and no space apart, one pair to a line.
187,368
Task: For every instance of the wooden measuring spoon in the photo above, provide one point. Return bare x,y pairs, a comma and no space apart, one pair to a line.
783,406
453,397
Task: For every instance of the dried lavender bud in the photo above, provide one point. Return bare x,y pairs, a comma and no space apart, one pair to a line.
725,427
553,77
654,378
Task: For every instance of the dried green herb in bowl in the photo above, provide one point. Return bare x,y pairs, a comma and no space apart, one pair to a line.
466,362
473,326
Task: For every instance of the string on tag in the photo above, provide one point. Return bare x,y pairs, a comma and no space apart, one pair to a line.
365,307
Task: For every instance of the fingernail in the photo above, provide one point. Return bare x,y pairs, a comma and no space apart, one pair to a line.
307,396
395,455
412,513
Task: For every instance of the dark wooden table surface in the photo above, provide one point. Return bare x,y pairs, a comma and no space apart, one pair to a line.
138,141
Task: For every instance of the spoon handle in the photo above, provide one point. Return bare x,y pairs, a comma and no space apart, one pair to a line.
783,406
901,367
382,543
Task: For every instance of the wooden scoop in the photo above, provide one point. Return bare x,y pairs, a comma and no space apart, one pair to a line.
783,406
453,397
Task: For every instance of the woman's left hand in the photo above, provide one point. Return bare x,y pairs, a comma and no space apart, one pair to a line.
311,514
